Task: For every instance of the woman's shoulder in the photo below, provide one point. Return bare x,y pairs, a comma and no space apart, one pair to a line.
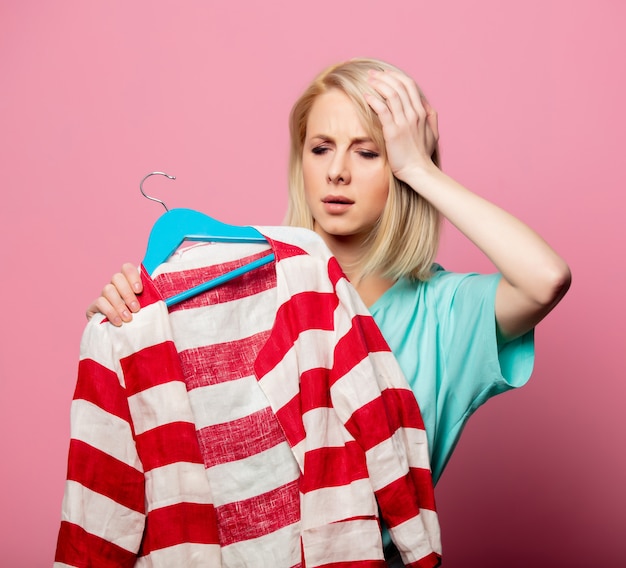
442,289
443,280
440,281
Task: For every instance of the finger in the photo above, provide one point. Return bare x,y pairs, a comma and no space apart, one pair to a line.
424,110
415,95
432,128
120,295
133,279
381,110
111,304
92,310
395,95
431,118
102,306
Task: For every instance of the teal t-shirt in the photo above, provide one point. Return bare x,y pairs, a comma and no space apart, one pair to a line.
443,334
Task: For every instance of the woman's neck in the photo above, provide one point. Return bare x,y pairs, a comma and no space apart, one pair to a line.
348,253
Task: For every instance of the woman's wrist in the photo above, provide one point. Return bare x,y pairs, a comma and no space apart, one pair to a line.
422,177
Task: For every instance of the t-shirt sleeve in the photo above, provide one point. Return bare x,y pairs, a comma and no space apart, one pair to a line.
467,310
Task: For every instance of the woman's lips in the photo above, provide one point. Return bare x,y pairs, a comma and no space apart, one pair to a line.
337,203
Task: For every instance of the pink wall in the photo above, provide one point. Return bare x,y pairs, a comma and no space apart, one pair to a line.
531,99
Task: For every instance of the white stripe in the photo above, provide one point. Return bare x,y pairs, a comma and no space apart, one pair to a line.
263,472
312,350
330,504
348,541
354,390
324,429
149,327
104,431
391,459
179,482
310,276
388,372
416,441
280,549
224,402
203,255
350,298
95,344
305,239
158,405
225,322
298,452
107,344
62,565
189,555
417,537
103,517
386,463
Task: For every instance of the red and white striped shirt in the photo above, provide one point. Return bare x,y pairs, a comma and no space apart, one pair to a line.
261,423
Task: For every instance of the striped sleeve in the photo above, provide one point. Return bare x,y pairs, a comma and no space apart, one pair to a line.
375,404
103,506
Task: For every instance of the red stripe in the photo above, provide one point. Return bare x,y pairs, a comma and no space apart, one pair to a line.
315,389
380,418
154,365
285,250
248,284
333,467
178,524
302,312
359,342
290,419
259,515
371,334
77,547
431,561
371,424
398,501
221,362
355,564
407,413
239,439
335,272
150,294
170,443
423,480
106,475
101,386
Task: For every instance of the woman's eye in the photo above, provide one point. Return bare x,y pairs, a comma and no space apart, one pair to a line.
319,150
368,155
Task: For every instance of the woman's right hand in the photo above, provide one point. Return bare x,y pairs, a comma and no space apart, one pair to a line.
118,300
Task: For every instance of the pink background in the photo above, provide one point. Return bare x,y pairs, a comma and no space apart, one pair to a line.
93,95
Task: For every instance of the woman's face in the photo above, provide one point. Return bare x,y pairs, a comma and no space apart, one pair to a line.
346,180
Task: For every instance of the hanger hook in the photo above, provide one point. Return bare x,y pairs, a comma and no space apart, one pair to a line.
154,198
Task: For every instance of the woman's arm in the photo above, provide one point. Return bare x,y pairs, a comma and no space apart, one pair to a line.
118,300
534,276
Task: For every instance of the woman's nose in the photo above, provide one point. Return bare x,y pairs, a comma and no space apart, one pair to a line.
338,171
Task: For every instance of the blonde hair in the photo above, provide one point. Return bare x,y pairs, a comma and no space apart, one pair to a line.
405,239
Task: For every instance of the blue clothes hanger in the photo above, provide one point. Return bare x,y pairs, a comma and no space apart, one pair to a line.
176,226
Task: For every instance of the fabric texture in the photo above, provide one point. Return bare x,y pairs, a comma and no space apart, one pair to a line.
263,423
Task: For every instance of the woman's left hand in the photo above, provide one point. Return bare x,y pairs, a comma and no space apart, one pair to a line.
409,122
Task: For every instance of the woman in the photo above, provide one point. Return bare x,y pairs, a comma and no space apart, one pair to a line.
364,175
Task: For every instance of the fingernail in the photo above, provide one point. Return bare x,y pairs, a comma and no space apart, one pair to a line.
137,286
134,306
126,315
116,321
